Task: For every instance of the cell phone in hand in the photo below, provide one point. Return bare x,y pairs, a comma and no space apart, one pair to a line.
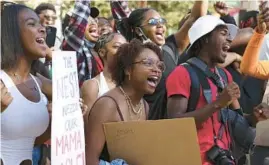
51,36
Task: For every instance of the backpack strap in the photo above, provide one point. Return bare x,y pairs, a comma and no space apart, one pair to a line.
198,79
223,75
204,83
195,88
171,53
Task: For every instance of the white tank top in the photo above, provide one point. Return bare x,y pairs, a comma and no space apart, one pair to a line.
102,85
21,122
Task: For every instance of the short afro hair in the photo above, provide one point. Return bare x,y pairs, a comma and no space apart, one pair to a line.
44,6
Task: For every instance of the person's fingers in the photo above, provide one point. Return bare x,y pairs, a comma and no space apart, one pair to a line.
85,107
222,4
4,91
265,17
233,86
262,5
2,84
81,100
9,100
265,113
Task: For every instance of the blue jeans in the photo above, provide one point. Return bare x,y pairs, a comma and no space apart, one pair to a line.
36,155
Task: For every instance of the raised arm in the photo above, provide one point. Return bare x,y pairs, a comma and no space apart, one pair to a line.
250,63
74,32
199,9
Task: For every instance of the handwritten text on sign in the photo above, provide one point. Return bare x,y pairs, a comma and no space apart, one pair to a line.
68,143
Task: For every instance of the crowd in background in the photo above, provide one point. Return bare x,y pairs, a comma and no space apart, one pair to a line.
212,69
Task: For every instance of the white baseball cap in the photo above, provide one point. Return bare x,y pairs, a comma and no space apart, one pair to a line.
207,24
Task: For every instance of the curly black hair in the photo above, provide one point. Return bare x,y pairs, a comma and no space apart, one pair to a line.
126,55
44,6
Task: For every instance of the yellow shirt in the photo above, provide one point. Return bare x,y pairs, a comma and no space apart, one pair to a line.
250,63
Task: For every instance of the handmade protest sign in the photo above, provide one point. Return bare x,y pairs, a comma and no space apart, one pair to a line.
67,140
169,142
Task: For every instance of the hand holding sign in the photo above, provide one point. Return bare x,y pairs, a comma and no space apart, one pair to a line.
83,106
261,112
49,106
6,98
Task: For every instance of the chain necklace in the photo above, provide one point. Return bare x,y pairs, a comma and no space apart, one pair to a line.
130,104
18,77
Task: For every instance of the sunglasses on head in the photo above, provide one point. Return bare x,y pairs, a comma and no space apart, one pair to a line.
156,21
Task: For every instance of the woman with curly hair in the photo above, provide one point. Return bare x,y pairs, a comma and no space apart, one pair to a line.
137,71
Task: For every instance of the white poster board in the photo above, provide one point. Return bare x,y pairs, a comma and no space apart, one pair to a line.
67,140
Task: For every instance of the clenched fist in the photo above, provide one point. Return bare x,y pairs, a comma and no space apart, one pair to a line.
229,94
6,98
221,8
261,112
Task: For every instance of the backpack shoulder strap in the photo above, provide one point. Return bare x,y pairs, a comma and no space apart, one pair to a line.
169,50
223,75
195,88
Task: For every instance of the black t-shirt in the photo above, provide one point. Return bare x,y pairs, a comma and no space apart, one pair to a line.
158,100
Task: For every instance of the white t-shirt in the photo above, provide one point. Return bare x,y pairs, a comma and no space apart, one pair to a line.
264,54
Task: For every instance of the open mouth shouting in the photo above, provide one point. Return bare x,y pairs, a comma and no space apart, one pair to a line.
40,40
160,34
226,48
153,81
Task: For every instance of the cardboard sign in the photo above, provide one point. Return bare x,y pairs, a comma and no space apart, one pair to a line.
67,140
262,128
262,133
159,142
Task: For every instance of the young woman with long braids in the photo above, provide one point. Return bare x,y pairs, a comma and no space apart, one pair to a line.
106,47
137,71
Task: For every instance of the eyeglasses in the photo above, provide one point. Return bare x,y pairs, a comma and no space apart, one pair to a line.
49,17
155,21
150,63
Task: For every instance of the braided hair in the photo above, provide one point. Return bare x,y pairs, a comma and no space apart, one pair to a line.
127,26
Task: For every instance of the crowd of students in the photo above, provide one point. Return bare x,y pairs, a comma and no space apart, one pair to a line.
211,69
